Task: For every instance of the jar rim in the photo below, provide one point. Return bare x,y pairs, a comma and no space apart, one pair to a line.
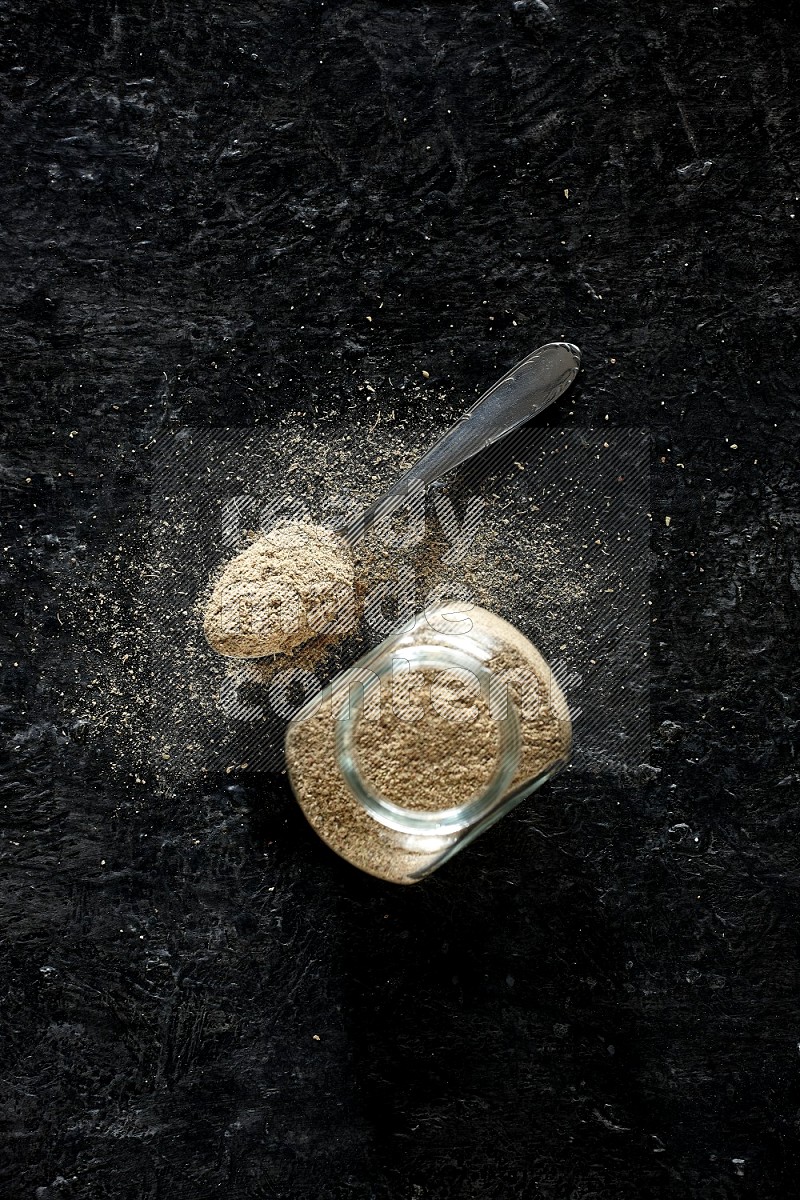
454,818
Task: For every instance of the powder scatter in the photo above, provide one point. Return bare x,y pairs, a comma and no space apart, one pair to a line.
147,682
285,588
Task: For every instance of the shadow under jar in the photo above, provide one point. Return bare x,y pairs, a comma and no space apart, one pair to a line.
427,741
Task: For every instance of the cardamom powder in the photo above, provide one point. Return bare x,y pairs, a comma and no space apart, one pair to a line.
285,588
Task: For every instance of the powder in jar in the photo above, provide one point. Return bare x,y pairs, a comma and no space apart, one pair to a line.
433,743
285,588
425,766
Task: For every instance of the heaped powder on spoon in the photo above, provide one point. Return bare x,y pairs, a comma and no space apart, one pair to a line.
285,588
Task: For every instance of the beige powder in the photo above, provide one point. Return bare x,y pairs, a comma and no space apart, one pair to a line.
288,586
145,687
332,809
416,770
434,743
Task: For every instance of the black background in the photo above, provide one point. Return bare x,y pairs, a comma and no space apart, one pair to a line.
202,204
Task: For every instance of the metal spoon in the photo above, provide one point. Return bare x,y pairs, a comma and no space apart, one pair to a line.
523,392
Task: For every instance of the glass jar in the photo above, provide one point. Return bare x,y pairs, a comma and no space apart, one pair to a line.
427,741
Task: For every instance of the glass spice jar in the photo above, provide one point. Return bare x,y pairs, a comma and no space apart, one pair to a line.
427,740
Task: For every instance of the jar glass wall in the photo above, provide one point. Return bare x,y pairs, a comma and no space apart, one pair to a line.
427,740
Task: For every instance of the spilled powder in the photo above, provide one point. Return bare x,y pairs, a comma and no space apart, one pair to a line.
288,586
146,689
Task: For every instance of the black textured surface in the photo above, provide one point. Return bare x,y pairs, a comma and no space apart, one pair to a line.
202,205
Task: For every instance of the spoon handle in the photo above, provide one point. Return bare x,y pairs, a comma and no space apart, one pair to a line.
528,388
